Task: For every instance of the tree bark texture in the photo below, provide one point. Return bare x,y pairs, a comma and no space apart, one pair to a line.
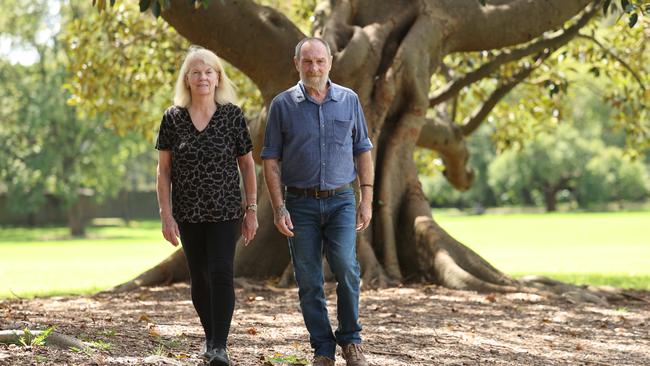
387,52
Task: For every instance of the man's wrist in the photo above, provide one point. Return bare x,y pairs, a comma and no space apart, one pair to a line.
280,209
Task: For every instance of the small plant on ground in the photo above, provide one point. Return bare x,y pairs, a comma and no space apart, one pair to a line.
41,359
86,350
108,333
101,345
279,359
29,339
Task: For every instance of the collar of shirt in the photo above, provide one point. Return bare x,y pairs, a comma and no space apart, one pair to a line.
299,94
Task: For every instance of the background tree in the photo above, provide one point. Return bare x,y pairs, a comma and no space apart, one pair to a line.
515,173
545,166
395,55
611,176
49,150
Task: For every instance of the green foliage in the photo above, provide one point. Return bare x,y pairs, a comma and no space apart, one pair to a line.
41,359
633,8
581,107
168,343
86,350
566,161
139,57
279,359
157,47
549,163
108,333
29,339
610,176
606,48
46,147
136,55
101,345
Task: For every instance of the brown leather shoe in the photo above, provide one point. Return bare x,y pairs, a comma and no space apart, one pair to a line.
322,361
353,354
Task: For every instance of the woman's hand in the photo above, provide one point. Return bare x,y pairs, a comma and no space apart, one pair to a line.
249,226
170,229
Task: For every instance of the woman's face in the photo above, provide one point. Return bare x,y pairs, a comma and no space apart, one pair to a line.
202,78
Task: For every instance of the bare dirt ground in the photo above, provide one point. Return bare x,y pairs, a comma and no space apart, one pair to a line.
417,325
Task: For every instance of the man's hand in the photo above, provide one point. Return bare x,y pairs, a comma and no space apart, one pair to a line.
170,230
282,221
364,215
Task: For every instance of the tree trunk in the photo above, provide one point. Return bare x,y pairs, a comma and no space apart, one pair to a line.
77,218
386,51
550,201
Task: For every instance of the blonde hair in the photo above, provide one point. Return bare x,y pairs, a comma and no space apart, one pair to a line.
225,91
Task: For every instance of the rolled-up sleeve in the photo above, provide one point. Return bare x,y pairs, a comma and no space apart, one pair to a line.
272,148
360,142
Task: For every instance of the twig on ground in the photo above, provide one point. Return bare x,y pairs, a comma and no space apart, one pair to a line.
378,352
437,338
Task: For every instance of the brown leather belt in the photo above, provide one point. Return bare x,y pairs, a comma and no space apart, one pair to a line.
315,192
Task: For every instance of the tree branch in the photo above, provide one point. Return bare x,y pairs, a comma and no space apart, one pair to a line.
337,30
446,138
472,122
245,34
472,27
453,87
612,54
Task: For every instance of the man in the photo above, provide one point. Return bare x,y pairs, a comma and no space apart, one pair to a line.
317,130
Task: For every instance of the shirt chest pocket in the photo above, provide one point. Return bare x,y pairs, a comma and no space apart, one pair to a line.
341,132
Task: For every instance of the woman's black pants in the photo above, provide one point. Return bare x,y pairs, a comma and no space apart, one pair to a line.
210,250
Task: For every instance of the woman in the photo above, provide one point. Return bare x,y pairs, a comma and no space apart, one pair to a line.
203,139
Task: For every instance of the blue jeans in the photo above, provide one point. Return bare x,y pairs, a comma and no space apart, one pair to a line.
326,226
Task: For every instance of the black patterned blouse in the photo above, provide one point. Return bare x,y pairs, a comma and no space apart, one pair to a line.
205,178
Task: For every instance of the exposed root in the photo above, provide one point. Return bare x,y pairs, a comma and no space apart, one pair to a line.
456,266
53,339
578,294
453,265
452,275
372,272
287,279
173,269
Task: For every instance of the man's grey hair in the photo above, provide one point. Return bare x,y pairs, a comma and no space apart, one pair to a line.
309,39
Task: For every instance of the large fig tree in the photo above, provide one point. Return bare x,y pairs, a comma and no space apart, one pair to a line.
400,56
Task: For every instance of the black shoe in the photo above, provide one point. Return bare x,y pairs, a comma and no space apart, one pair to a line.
219,357
207,352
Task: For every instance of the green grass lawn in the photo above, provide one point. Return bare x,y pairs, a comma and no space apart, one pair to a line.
593,248
584,248
40,262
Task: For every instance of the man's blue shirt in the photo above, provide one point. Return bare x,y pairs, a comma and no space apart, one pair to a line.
316,143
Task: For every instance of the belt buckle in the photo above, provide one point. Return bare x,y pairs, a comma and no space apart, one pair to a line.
317,193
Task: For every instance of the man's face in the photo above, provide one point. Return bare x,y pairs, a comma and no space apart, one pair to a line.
314,65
